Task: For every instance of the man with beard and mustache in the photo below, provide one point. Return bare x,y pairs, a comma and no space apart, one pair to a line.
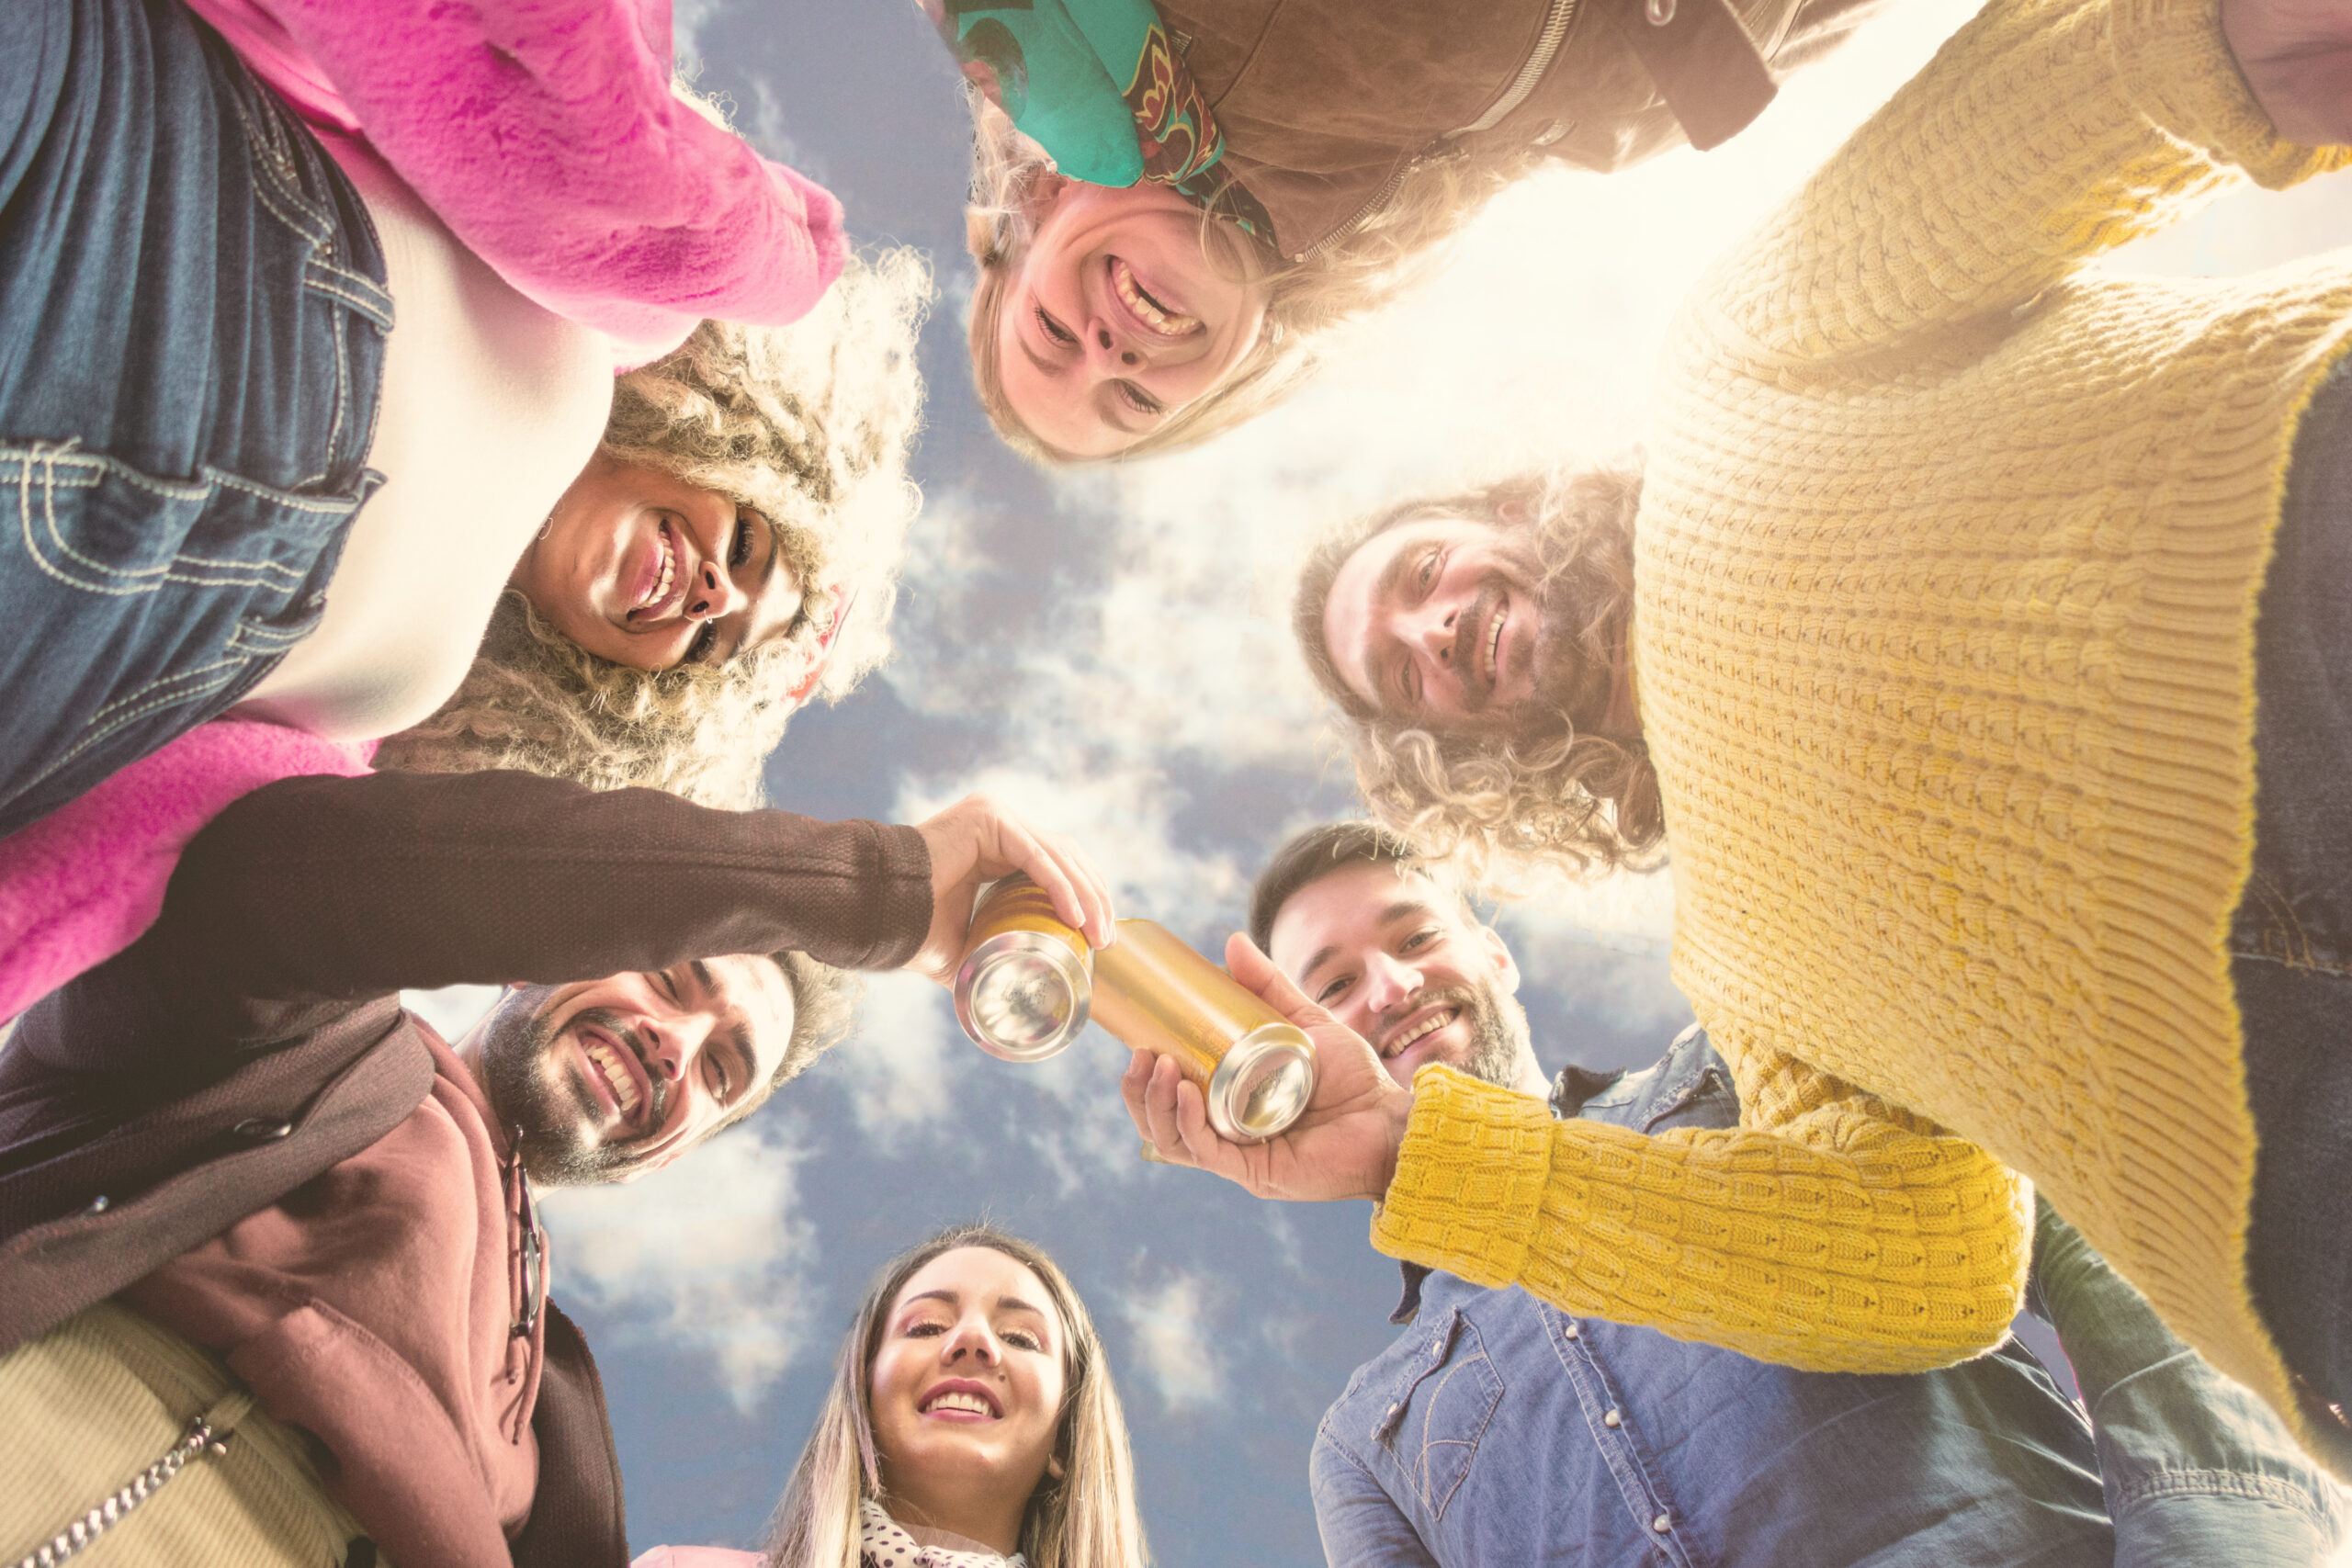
240,1184
1501,1429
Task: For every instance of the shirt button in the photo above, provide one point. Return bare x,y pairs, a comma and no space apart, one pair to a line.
1612,1419
262,1130
1662,1523
1660,12
1574,1332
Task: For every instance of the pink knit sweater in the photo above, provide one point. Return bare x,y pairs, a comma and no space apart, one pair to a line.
544,134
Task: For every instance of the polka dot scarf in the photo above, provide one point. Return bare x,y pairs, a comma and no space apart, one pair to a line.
884,1544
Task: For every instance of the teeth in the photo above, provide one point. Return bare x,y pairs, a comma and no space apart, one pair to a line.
1429,1025
1494,644
615,1073
1122,279
660,590
957,1401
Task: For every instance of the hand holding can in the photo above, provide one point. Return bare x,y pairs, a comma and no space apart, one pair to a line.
1028,983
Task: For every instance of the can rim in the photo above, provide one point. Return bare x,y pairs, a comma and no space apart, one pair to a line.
1027,944
1239,1059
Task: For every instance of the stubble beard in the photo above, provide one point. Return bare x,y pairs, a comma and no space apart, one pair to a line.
1575,671
1500,1041
529,1093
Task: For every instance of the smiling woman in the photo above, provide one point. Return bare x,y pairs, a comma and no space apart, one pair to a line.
696,583
971,1423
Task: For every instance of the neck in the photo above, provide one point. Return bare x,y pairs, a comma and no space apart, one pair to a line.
980,1512
1531,1078
468,1051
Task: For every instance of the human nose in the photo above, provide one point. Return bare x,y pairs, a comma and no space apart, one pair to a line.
1109,356
972,1338
1389,984
672,1043
713,594
1432,629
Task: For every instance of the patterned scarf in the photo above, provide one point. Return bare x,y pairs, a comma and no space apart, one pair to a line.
1098,86
883,1542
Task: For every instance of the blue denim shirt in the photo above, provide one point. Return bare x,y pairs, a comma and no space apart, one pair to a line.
1499,1430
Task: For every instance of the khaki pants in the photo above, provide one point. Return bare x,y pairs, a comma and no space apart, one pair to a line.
98,1398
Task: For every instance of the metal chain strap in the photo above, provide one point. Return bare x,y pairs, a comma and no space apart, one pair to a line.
76,1537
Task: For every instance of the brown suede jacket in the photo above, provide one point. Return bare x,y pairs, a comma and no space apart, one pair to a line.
1327,104
253,1044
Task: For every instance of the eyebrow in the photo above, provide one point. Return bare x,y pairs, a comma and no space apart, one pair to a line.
1004,1304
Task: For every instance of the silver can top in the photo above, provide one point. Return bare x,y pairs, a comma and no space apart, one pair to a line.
1023,996
1261,1084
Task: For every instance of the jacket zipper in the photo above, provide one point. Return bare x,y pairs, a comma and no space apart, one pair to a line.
1539,59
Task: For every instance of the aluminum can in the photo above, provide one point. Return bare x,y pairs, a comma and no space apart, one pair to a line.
1022,988
1255,1068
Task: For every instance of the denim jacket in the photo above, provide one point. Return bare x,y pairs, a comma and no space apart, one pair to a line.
1498,1431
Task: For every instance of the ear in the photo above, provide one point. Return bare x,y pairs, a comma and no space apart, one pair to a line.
1512,511
1506,967
1054,1466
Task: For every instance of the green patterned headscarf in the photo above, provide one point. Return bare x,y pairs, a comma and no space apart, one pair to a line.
1098,86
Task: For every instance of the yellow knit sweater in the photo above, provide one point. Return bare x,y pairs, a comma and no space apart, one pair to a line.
1945,573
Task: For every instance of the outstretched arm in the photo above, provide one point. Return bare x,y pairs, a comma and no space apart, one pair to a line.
1834,1233
2197,1469
2043,133
545,133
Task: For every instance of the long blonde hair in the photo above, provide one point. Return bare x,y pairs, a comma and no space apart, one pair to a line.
809,426
1085,1519
1357,271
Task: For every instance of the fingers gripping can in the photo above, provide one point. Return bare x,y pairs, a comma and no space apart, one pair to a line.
1028,983
1022,989
1255,1069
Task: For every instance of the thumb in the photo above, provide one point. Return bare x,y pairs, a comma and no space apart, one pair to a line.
1257,974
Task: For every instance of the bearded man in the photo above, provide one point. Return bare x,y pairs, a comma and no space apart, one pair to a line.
271,1287
1501,1429
1982,662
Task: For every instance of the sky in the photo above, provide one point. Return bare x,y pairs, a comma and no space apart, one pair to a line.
1107,651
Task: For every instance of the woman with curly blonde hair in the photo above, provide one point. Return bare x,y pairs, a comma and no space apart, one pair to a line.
1172,201
728,552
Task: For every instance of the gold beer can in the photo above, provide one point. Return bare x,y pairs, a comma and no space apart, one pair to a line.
1023,987
1255,1068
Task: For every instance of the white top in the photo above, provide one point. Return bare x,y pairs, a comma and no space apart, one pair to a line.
886,1543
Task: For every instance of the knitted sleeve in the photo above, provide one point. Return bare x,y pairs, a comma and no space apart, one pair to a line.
1832,1232
2045,132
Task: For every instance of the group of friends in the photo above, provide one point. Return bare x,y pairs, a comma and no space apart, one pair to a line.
438,456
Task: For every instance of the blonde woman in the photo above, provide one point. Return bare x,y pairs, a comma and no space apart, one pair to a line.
971,1423
1171,201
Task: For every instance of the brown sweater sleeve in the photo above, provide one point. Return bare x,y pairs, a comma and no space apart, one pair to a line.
348,888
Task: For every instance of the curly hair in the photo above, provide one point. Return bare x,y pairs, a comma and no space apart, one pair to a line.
1354,273
1583,802
809,426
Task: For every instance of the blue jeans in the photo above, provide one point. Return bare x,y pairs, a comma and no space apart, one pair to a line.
192,326
2292,938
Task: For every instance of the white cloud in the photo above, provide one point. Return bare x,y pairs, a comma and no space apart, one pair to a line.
1170,1323
905,1058
708,1255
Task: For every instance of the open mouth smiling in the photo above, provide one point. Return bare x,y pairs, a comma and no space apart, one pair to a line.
1428,1024
653,601
1147,312
618,1072
960,1400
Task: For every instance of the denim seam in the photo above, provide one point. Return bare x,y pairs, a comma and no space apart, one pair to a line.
93,466
1437,1506
2163,1484
155,700
187,570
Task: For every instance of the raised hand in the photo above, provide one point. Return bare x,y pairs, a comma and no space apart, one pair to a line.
2297,56
1343,1144
977,840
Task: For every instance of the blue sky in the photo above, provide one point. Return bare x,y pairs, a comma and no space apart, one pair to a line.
1107,650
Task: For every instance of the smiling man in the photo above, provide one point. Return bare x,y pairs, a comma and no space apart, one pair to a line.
1500,1428
231,1148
